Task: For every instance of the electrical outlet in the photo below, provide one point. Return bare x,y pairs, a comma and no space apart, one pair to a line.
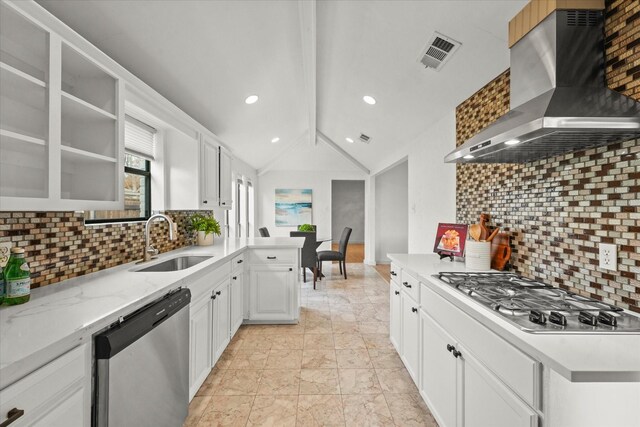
608,256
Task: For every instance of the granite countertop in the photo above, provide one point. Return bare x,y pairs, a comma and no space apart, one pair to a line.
65,314
577,357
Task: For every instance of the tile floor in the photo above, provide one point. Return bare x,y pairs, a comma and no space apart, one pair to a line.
336,368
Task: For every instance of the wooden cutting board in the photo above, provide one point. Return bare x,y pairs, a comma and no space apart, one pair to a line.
500,251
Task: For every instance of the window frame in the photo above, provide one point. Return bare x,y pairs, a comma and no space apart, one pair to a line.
146,173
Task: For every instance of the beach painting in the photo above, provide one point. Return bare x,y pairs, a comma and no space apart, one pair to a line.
293,207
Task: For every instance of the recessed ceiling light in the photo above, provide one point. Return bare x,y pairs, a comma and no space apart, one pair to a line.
369,99
251,99
468,156
349,140
274,140
512,142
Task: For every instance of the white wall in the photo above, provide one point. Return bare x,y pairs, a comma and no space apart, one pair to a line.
318,181
432,184
392,223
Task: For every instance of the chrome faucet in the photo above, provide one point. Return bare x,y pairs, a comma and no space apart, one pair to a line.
149,251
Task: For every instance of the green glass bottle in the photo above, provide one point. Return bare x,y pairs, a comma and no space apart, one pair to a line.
1,285
17,278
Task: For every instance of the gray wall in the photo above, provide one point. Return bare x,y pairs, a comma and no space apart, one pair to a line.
347,209
392,212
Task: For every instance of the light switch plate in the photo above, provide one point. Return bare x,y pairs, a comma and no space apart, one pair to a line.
608,257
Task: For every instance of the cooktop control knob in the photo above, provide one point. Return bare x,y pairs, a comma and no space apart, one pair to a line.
588,318
607,319
537,317
557,318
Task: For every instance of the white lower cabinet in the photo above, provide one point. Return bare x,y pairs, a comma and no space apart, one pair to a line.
410,332
58,394
200,336
394,316
439,376
459,390
272,293
221,318
237,300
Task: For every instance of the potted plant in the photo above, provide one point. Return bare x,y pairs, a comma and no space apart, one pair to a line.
206,226
306,227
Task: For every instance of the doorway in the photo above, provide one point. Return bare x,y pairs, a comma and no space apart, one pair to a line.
392,212
347,210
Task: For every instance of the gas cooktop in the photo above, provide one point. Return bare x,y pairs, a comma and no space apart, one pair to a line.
540,308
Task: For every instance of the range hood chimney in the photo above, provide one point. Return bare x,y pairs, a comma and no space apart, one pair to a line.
559,99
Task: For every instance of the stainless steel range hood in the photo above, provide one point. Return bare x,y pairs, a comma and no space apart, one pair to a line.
559,101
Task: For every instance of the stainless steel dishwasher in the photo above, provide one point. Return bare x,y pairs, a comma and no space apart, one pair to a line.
142,366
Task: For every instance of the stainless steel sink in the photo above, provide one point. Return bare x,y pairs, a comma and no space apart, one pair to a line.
176,264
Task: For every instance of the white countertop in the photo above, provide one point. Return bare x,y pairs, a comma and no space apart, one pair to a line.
62,314
579,358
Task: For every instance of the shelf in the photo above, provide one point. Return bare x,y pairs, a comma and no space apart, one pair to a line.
23,105
86,177
86,154
86,107
86,81
23,168
23,45
24,75
20,137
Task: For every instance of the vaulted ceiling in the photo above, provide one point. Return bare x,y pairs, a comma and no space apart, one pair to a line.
208,56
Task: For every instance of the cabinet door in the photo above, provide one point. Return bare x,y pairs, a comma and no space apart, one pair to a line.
237,300
272,293
208,175
69,411
395,316
225,180
222,318
487,402
200,335
438,371
410,331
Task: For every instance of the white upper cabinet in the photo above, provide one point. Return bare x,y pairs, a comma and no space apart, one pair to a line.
225,179
209,174
61,122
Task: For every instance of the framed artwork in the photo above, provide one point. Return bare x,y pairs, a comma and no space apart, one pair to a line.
450,239
293,207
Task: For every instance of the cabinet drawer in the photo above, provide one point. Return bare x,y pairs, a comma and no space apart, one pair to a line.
237,262
517,370
396,273
274,256
411,285
45,389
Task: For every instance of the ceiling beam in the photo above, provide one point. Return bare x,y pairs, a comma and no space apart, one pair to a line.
282,153
307,17
324,138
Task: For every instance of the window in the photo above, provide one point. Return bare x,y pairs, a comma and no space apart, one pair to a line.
139,143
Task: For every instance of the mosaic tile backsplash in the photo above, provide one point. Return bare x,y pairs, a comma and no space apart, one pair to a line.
60,246
558,210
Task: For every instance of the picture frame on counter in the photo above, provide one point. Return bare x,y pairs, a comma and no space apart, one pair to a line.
450,240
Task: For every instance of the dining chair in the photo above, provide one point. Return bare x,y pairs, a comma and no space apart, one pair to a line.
263,232
340,255
309,257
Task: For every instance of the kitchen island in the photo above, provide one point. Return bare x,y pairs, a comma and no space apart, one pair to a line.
63,317
470,364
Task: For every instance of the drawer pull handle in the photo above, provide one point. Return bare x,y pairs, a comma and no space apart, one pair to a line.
397,292
271,257
204,201
406,284
456,353
450,348
218,293
213,297
415,310
393,273
239,261
12,415
235,278
290,269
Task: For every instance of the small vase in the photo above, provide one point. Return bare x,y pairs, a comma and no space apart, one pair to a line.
204,240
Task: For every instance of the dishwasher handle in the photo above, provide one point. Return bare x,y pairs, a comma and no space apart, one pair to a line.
121,335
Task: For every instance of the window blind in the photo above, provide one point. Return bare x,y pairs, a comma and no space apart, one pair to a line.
139,138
